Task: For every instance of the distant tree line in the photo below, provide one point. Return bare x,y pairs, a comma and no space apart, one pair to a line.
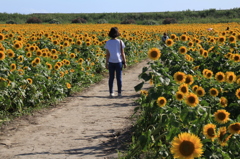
144,18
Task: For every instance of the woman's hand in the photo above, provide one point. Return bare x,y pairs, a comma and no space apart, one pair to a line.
106,66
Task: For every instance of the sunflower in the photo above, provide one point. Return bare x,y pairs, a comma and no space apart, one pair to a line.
169,42
187,146
238,37
190,43
144,92
179,95
79,42
56,67
205,54
2,55
183,37
179,77
61,74
222,39
10,53
20,58
80,60
208,74
37,60
200,91
238,81
236,58
183,88
30,81
173,36
213,92
13,67
29,54
154,54
49,66
232,39
182,50
220,76
2,37
192,100
189,79
39,53
72,55
234,128
238,93
194,88
21,72
161,101
222,139
230,77
18,45
209,131
68,85
221,116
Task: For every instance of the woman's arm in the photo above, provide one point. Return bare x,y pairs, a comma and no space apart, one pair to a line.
107,58
124,58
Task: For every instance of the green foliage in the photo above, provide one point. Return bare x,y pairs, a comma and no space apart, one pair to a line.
188,16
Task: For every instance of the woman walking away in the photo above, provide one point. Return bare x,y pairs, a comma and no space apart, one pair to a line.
115,59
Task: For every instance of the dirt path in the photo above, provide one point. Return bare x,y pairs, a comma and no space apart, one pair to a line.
86,125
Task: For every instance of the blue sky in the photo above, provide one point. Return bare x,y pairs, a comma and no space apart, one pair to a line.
112,6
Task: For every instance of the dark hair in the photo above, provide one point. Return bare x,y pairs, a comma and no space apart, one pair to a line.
113,33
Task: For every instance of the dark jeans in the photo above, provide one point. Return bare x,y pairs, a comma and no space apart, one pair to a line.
115,67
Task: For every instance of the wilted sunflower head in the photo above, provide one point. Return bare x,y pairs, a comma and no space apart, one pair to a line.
221,116
154,54
186,145
222,139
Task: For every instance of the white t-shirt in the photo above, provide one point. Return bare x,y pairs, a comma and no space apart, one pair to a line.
113,47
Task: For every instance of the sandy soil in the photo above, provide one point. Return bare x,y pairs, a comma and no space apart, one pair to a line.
86,125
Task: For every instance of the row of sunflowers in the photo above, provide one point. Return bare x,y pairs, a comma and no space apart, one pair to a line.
191,109
42,64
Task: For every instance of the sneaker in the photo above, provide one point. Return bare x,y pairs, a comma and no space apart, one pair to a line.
119,94
111,94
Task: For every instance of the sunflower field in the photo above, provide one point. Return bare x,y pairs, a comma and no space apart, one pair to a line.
40,64
192,108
